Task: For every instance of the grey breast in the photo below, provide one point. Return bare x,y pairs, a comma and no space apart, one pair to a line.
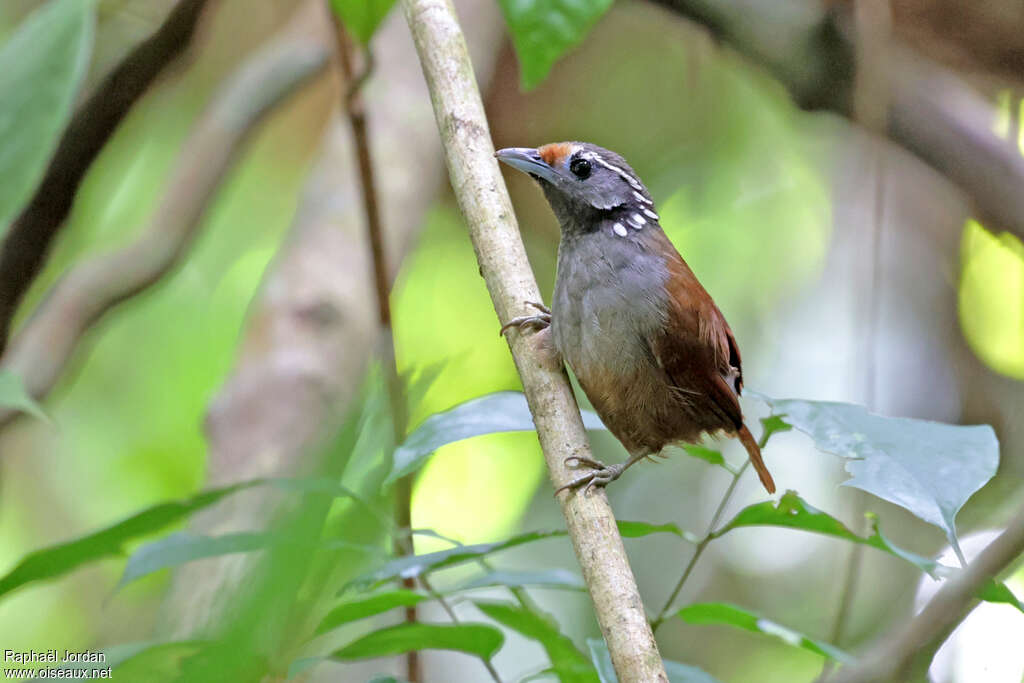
609,300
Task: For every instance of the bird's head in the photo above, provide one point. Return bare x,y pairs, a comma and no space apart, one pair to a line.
580,179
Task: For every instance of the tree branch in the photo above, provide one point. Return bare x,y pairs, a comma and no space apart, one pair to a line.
30,236
312,328
485,204
932,113
891,657
42,349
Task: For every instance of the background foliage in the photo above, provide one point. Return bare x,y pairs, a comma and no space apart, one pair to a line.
769,206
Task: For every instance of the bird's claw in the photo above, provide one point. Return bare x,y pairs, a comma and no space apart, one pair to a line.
538,322
600,475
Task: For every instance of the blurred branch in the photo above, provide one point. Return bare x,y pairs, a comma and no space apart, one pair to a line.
310,334
356,110
30,236
485,204
932,113
42,349
890,659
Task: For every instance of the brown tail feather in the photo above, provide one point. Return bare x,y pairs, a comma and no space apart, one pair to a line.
747,439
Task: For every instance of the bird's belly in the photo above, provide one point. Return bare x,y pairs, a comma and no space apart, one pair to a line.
604,338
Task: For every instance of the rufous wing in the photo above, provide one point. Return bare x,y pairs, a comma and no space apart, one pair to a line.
699,354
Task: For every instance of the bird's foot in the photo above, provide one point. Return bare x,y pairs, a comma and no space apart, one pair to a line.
539,321
600,475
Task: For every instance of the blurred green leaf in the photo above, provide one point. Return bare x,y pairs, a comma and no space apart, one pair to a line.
62,558
569,663
638,529
481,640
114,656
544,30
503,411
414,565
110,542
362,17
353,610
772,425
731,615
13,394
999,592
677,671
157,662
706,454
549,578
41,67
928,468
183,547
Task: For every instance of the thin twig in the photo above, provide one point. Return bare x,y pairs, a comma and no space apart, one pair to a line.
28,241
709,536
39,353
356,111
896,651
485,204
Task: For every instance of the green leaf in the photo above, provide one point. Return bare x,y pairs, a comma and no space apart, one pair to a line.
353,610
182,547
677,671
706,454
114,656
569,663
550,578
731,615
793,512
362,17
773,424
544,30
62,558
504,411
638,529
160,661
12,391
41,67
999,592
928,468
414,565
481,640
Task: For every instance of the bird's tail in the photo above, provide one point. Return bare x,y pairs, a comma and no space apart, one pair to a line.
747,439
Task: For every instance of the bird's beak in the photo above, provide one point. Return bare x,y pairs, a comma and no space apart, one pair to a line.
526,160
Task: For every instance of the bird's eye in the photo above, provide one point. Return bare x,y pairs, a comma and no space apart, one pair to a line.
580,168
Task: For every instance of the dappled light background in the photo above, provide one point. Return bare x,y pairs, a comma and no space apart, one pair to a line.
774,208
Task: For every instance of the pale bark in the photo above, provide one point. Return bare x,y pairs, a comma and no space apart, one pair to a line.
313,327
484,201
890,658
42,349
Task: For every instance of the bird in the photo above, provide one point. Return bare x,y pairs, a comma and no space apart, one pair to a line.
649,347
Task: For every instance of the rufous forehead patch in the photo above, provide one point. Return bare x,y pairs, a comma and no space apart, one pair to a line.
555,153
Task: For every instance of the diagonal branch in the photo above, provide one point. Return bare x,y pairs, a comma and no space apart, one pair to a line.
932,113
890,659
30,236
485,204
46,343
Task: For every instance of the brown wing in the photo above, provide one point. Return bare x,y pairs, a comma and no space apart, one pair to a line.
697,350
700,356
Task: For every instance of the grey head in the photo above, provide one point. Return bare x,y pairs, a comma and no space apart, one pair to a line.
585,185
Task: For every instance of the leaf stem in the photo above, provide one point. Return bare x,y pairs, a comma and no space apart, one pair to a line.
709,535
